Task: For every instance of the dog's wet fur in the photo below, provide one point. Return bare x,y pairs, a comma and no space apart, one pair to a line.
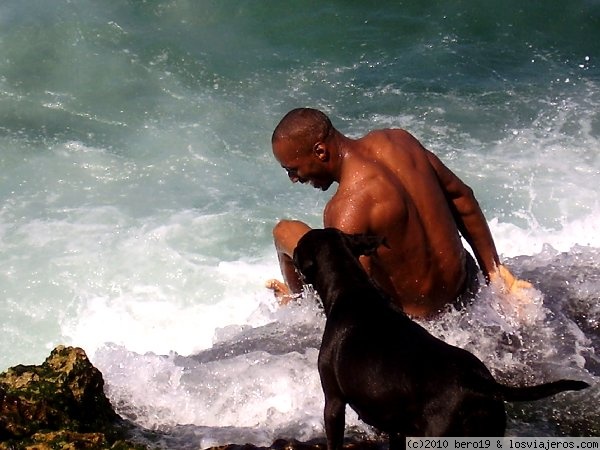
397,376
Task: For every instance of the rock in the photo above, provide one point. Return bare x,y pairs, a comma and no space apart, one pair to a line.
58,404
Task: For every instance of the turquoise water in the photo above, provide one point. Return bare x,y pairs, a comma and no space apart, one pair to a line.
139,191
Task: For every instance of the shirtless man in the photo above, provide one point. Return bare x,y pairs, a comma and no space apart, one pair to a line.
390,186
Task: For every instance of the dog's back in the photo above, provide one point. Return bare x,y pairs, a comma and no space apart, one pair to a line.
401,379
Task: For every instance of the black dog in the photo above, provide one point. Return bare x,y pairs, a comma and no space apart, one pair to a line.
390,370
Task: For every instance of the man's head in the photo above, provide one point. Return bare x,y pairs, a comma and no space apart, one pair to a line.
302,145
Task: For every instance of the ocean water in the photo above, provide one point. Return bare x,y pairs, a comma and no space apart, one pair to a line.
138,192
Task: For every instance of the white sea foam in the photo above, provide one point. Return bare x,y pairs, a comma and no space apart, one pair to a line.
256,384
512,240
243,369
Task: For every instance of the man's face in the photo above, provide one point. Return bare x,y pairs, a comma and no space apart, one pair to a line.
302,165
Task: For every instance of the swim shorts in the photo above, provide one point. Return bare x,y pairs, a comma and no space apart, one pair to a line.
471,284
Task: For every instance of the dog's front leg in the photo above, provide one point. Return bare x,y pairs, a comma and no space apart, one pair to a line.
335,410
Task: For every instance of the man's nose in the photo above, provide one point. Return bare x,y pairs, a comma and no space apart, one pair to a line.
294,178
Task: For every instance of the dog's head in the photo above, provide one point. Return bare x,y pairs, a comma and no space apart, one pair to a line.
331,245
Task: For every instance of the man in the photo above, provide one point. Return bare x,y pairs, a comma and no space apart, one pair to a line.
390,186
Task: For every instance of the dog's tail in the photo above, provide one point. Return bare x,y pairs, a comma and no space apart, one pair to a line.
528,393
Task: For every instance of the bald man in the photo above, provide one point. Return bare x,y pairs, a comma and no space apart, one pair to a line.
391,186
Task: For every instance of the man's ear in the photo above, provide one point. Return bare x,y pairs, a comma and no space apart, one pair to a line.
364,244
321,152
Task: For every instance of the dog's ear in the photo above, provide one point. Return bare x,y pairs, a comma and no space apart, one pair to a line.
364,244
305,266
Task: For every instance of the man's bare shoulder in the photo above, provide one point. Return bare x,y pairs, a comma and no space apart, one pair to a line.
394,148
388,133
390,139
353,198
368,184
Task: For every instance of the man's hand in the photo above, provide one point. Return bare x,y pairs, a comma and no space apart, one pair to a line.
280,290
510,283
520,295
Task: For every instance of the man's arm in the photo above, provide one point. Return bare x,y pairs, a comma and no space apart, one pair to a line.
473,226
468,216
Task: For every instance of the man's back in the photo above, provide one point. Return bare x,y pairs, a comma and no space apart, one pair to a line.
388,187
